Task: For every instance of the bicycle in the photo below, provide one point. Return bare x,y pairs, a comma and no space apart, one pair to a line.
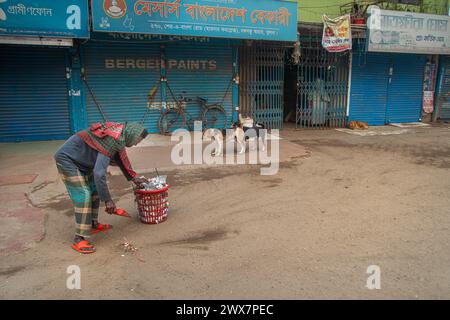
212,115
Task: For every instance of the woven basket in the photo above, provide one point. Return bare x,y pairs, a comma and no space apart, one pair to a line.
153,205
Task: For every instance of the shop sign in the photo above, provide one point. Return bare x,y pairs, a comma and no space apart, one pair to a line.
44,18
239,19
337,35
407,32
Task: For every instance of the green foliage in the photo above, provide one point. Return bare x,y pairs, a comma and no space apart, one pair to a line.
312,10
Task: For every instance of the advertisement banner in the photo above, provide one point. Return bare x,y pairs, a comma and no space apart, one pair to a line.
428,101
407,32
337,35
45,18
240,19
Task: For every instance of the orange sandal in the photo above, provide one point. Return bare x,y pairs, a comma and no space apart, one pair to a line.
101,227
83,247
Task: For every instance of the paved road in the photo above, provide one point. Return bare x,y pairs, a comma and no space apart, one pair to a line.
311,231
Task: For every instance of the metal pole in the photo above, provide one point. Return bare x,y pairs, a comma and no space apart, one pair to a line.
163,77
439,83
235,84
350,61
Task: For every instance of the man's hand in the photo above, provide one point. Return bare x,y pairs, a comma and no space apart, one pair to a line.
110,207
139,181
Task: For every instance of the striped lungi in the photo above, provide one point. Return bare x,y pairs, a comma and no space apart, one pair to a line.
82,191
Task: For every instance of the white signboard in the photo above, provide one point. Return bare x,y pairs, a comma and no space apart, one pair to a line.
407,32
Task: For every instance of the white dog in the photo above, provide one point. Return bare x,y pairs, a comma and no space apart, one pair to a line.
241,132
229,135
254,131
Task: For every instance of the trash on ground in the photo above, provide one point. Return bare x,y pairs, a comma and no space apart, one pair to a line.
129,247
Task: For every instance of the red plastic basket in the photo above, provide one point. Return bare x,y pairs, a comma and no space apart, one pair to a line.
153,205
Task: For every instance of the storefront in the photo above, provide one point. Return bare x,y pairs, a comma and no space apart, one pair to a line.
321,78
35,37
388,68
121,72
119,77
184,49
262,78
386,88
137,58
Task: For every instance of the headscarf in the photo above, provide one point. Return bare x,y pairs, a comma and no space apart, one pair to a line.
112,138
132,132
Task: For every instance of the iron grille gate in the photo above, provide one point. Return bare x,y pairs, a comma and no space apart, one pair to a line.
261,84
322,85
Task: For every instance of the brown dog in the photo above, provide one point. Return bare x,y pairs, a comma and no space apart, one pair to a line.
358,125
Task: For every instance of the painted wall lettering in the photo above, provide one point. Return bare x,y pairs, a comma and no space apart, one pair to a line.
151,63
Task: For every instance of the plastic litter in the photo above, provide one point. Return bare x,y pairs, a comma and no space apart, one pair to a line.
152,199
129,247
156,183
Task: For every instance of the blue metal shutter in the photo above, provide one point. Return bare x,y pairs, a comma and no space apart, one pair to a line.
368,93
444,96
121,76
33,94
200,70
406,88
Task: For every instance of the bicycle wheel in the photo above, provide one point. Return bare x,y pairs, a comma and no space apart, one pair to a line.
214,116
171,120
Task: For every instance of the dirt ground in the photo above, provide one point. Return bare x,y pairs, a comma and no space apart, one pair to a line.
311,231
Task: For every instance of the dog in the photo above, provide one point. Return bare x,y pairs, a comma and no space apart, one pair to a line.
358,125
219,136
255,131
242,131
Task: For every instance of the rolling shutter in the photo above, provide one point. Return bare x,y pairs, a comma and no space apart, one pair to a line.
386,88
369,88
121,76
444,95
33,94
406,88
200,70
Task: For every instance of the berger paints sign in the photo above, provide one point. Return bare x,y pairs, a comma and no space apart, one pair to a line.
155,64
44,18
241,19
407,32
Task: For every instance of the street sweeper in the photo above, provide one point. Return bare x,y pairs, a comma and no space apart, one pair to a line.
82,162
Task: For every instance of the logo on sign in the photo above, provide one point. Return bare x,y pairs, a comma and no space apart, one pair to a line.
2,13
115,8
